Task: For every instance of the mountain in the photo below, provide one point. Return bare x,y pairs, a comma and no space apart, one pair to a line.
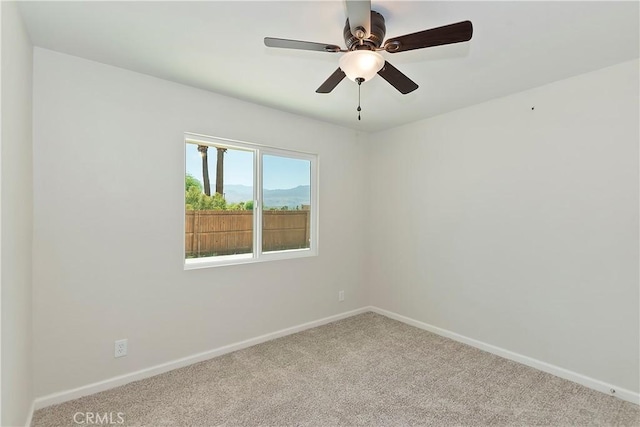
292,197
238,193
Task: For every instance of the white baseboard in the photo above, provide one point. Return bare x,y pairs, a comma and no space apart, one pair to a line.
64,396
30,414
592,383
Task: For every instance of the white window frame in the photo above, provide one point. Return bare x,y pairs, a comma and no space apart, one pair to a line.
257,255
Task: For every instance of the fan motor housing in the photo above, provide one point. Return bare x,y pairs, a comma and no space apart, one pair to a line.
375,39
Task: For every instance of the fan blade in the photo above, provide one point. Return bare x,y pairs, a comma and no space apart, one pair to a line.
453,33
297,44
359,15
331,82
398,80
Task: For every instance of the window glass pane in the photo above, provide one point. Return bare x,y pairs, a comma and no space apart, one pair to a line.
218,201
286,201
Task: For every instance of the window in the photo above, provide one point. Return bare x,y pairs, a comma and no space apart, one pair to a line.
247,203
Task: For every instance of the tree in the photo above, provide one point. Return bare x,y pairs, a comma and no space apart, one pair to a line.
196,200
236,206
220,171
205,168
191,181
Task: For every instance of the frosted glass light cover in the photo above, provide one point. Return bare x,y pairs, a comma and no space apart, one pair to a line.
361,63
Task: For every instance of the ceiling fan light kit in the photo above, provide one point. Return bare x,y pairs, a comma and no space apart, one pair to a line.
364,33
363,64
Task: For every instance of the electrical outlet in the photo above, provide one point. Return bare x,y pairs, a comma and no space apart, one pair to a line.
340,295
120,348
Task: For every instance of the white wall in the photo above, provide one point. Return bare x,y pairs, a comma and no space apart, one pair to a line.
512,226
16,218
516,226
108,225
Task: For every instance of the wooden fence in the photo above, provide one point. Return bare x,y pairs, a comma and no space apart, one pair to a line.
209,233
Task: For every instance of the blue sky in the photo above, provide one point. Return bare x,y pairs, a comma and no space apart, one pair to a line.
278,172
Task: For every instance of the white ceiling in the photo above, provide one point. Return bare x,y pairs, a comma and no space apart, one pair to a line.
218,46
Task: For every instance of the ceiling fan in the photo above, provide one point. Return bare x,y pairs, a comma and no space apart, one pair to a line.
363,35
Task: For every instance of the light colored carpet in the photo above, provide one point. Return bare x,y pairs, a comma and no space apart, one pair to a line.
366,370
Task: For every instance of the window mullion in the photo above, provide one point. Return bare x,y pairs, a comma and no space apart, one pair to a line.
257,225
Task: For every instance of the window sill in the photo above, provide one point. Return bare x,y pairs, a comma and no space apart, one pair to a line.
227,260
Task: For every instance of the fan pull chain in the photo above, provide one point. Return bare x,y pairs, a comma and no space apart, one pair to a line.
359,80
